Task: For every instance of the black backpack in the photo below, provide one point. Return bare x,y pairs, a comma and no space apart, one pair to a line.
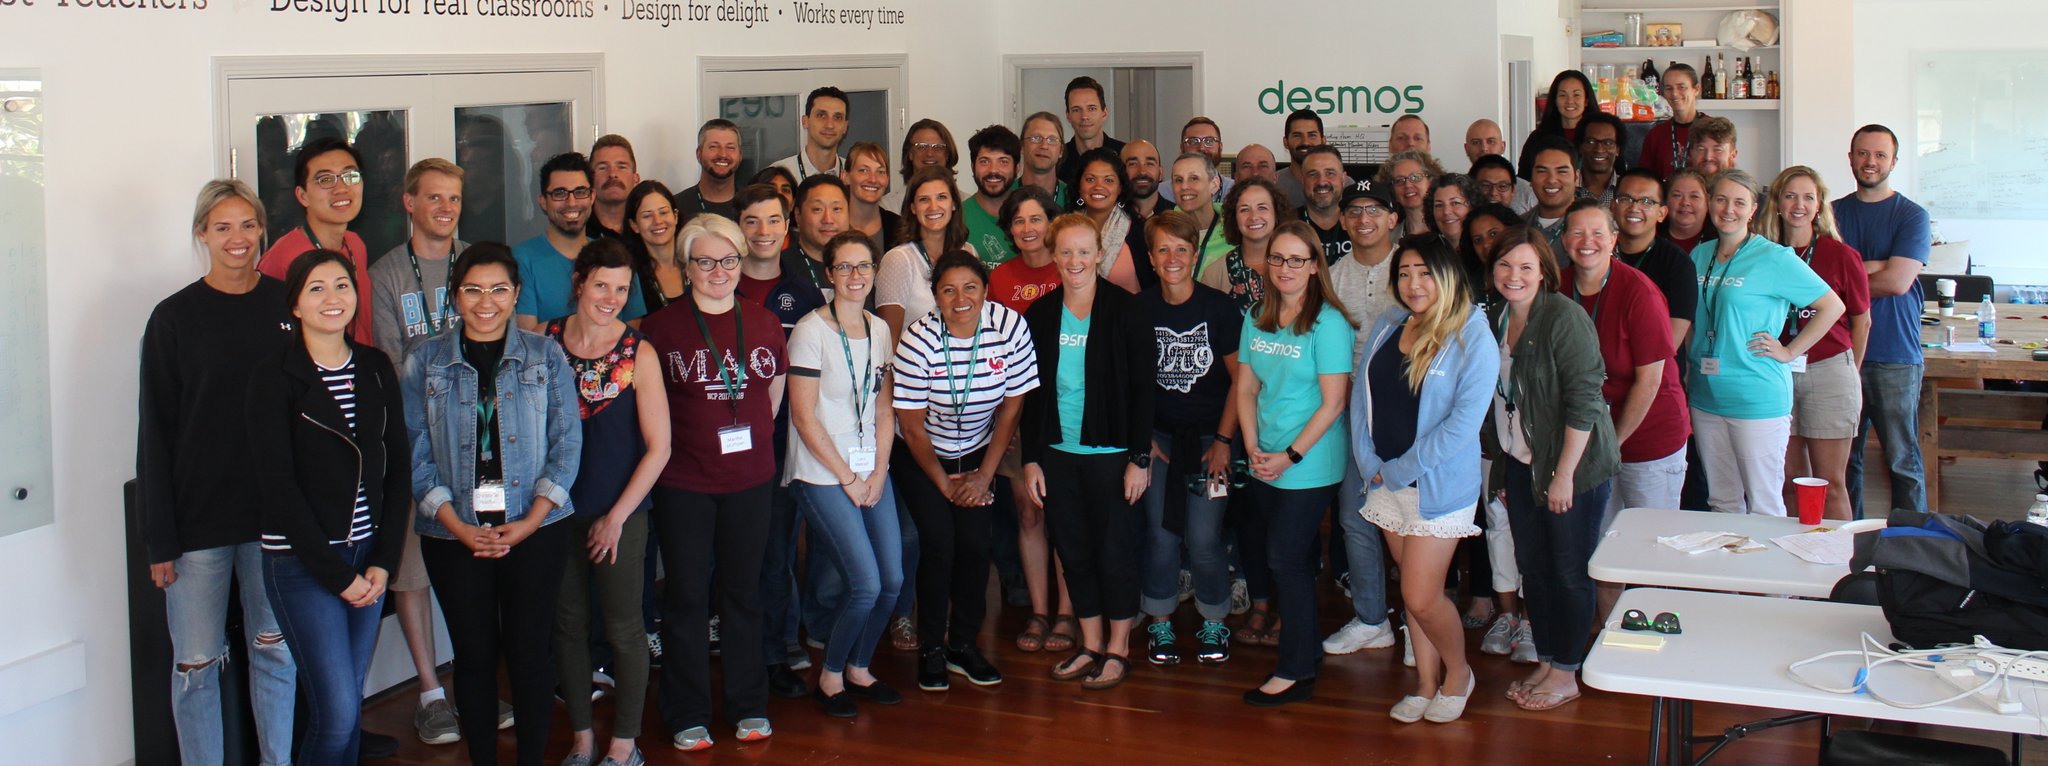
1944,579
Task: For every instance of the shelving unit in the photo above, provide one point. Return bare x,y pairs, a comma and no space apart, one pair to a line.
1759,122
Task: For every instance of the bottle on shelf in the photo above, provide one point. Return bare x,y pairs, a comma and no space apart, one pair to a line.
1707,80
1740,88
1758,86
1648,74
1987,320
1721,77
2038,514
1773,84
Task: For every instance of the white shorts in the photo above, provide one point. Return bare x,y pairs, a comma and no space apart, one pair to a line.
1399,511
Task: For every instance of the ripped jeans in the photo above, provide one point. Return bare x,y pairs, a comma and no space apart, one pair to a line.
197,604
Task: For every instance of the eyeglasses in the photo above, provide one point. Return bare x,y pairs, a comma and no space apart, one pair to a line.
1200,141
495,292
1292,263
1489,188
1413,178
561,195
1646,203
1043,139
926,146
346,177
1666,623
1365,210
707,264
863,268
1601,143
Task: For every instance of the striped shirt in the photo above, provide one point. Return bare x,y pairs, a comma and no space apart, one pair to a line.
960,386
341,384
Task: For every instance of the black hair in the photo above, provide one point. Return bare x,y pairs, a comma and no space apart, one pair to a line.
566,162
757,193
1597,117
767,176
484,254
1311,151
1644,173
958,259
315,147
997,137
846,238
1553,142
1084,82
302,269
1871,128
1104,155
600,253
1553,122
1491,161
1302,114
826,92
816,181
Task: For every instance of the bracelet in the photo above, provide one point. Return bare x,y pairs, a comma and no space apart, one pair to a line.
1225,440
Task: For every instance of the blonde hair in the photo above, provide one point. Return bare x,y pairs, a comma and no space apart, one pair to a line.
430,165
1774,229
1446,316
221,190
711,225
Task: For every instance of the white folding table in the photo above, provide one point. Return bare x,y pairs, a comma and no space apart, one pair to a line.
1629,554
1736,649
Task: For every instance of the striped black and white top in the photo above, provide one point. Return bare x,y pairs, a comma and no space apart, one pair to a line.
341,384
959,386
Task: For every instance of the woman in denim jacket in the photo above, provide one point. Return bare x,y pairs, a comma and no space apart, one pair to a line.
491,471
1423,385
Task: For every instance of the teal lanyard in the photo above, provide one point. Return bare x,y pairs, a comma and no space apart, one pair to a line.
959,392
1598,298
861,389
1712,291
1505,386
739,324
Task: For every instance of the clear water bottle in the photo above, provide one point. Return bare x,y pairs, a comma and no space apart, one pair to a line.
2039,513
1987,320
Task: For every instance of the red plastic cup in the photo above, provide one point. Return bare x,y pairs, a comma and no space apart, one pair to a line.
1813,498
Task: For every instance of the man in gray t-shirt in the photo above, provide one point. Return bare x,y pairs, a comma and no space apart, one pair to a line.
409,284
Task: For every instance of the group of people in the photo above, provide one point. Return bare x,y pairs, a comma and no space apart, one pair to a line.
1118,377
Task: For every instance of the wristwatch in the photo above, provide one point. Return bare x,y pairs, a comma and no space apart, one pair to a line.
1143,460
1292,455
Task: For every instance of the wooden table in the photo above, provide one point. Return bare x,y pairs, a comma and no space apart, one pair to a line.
1993,424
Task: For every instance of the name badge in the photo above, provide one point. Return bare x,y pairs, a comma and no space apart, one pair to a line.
1798,363
735,438
860,460
1710,366
489,497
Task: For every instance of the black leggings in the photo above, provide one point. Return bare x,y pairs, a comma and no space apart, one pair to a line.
953,553
503,607
1094,531
697,529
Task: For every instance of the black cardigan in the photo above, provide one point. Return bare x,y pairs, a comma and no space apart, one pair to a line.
306,465
1122,355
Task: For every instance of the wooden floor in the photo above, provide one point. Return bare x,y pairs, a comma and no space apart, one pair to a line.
1192,714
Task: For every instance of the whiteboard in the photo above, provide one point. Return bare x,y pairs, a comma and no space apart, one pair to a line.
1981,133
26,500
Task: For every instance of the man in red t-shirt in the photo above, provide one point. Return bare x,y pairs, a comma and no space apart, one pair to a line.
328,178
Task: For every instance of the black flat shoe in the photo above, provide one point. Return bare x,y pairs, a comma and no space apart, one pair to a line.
375,746
1301,691
877,692
839,705
785,683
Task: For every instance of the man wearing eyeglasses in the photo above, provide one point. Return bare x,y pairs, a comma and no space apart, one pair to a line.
1040,164
327,179
1638,208
718,160
1088,113
824,123
1482,139
547,263
1201,136
1600,137
1322,169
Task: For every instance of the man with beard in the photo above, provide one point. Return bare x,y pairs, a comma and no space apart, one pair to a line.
1088,113
547,263
1202,136
824,124
993,154
1894,235
1482,139
614,173
1322,168
821,214
1600,137
1040,163
1304,129
1255,161
1713,146
718,160
1141,165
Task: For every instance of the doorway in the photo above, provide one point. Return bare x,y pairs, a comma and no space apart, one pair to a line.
764,96
1150,95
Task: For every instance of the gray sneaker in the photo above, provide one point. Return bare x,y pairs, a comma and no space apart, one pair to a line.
636,759
797,658
576,760
1240,597
504,715
1525,645
436,723
1500,636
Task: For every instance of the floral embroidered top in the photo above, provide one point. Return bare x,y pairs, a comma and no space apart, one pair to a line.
612,444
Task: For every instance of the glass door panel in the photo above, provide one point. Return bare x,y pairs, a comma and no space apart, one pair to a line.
768,106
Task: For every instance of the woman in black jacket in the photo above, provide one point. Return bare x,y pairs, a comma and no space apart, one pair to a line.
329,441
1087,443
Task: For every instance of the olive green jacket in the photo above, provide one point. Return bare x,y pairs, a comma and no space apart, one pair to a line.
1556,377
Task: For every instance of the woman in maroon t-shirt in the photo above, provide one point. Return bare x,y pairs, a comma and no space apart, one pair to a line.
1827,388
722,363
1651,420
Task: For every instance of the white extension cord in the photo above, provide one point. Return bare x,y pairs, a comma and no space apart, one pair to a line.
1958,665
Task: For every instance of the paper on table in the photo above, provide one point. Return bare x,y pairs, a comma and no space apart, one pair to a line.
1972,348
1696,543
1827,548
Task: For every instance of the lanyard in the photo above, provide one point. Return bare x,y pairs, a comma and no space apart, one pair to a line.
739,324
811,265
433,317
344,241
1712,290
861,389
1681,151
1598,298
1202,250
1792,313
803,172
1505,386
959,392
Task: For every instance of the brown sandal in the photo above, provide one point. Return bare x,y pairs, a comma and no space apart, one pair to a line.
1072,669
1272,637
1033,637
1065,631
1095,680
1257,625
903,635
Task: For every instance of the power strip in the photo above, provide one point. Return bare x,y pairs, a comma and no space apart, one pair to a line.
1961,675
2024,668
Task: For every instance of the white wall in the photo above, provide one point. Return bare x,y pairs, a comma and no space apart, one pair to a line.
1888,32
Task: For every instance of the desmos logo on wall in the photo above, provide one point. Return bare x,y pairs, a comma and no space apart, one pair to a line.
1341,99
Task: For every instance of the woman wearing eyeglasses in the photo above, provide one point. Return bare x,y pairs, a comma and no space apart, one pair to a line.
496,445
1294,371
1409,175
723,363
840,407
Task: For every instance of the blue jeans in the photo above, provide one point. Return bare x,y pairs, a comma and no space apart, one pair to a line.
1292,517
197,607
334,643
864,546
824,588
1159,592
1365,548
1552,549
1891,404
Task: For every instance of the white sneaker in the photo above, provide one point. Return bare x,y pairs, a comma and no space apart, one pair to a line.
1407,648
1187,585
1240,597
1500,635
1524,645
1356,635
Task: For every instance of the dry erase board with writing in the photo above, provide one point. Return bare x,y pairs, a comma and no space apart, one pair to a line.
26,500
1979,144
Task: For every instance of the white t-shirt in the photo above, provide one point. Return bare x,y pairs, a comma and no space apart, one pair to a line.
961,382
801,166
904,278
1508,425
816,351
1367,293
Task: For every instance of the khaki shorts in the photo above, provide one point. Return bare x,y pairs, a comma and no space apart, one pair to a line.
412,573
1827,399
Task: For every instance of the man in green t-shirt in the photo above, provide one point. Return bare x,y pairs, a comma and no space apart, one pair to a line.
993,150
